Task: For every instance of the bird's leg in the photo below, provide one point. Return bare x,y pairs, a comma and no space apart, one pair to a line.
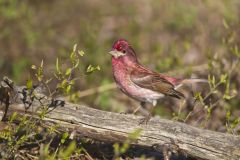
149,115
141,108
135,110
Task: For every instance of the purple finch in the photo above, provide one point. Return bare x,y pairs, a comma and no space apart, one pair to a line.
139,82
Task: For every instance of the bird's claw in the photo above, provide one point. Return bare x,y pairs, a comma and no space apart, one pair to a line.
144,120
124,113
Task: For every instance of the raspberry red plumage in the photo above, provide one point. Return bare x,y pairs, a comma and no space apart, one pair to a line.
139,82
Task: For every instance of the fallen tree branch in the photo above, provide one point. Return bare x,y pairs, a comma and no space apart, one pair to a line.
115,127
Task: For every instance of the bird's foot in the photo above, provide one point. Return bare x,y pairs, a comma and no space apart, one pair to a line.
124,113
145,120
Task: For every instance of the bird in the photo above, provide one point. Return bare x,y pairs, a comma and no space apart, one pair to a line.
141,83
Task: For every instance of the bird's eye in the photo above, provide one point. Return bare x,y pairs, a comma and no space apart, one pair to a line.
124,51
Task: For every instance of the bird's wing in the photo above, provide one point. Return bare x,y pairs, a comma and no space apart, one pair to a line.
153,81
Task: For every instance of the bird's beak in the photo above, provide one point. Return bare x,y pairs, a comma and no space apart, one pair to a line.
116,53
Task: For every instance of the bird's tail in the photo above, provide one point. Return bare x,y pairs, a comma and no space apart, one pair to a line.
190,81
194,80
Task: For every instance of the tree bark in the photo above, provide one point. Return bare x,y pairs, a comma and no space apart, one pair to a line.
115,127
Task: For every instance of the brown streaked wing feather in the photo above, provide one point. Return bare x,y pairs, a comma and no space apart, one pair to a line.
153,81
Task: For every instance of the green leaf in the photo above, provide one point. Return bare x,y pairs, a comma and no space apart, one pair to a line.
75,48
72,57
228,115
81,53
223,78
33,67
49,80
76,63
64,137
39,73
41,64
98,68
213,81
236,51
29,84
57,67
226,26
124,148
68,89
68,71
227,97
66,153
63,84
116,148
13,117
91,68
209,110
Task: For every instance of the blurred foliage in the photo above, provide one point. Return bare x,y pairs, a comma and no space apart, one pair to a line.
167,35
182,38
121,149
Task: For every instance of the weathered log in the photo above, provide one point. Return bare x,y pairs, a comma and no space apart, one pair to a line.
115,127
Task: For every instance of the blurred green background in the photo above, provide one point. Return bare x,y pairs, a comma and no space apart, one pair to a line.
183,38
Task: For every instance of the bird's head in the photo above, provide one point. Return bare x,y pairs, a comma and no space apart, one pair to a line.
121,50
